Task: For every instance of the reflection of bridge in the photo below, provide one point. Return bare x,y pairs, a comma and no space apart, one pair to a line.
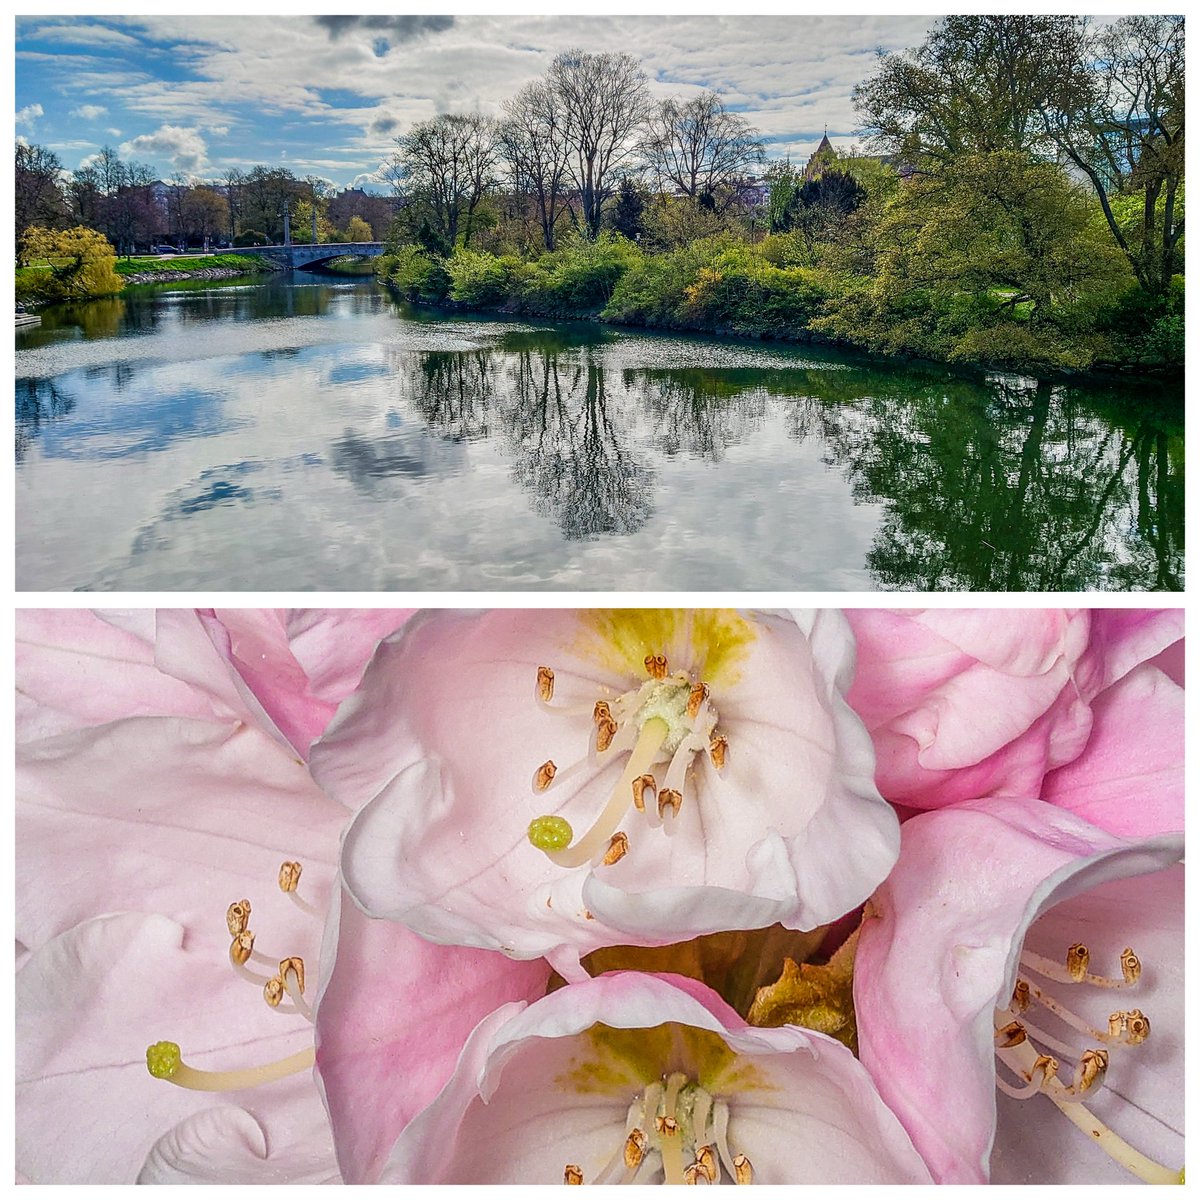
307,254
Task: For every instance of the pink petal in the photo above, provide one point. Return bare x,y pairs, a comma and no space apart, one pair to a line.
392,1018
89,1002
516,1111
938,950
76,669
1129,780
163,815
228,1145
334,645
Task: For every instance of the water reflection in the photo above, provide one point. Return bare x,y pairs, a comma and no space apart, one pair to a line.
308,435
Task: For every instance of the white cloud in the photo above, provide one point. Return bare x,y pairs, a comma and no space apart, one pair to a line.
113,132
89,112
29,114
182,147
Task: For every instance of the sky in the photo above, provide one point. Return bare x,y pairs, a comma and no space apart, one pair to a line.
327,96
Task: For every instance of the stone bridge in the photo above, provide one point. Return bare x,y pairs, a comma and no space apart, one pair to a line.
306,254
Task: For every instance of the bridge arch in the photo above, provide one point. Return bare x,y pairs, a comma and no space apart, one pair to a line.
307,254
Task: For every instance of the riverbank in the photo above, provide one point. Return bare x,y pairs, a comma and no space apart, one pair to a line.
725,288
208,266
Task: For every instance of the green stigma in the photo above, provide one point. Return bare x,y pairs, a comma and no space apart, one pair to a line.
162,1059
550,833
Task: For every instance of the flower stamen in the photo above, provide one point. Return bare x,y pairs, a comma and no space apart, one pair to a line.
1131,968
289,878
550,829
164,1061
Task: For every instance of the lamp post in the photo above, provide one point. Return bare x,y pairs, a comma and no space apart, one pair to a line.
287,223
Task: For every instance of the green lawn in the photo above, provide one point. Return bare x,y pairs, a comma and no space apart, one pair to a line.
190,262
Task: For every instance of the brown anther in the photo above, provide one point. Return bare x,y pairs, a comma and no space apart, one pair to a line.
635,1148
293,964
696,697
274,991
289,876
601,712
706,1160
667,1126
237,916
242,947
1047,1065
572,1174
669,798
1020,996
743,1172
618,847
545,683
1090,1072
718,748
1077,961
694,1175
1013,1034
656,665
606,730
543,777
641,785
1132,1027
1131,965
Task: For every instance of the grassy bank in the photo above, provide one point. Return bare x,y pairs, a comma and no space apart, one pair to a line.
245,263
723,285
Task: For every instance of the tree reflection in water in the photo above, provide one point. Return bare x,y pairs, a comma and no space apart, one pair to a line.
39,402
1001,484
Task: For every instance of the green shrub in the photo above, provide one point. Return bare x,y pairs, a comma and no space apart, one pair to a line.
741,291
416,275
484,280
651,292
251,237
578,278
78,263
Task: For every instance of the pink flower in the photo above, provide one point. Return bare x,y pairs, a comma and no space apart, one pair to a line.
970,703
283,670
392,1016
135,832
1009,930
643,1078
499,762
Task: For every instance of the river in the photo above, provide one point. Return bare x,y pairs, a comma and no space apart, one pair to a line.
317,434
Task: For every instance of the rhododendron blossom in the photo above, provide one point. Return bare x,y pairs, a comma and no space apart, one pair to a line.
633,1078
1017,948
599,896
545,783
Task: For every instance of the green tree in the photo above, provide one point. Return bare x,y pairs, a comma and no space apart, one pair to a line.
357,230
626,216
996,258
977,84
81,262
1118,115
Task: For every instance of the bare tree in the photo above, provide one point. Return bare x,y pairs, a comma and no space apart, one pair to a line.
700,148
535,140
448,165
37,189
605,104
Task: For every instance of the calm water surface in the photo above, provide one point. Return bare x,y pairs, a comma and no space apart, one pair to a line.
319,435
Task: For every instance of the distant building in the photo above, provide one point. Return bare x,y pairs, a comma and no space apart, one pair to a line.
821,160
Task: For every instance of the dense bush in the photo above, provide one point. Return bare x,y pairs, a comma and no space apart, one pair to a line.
578,278
252,237
483,280
415,274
